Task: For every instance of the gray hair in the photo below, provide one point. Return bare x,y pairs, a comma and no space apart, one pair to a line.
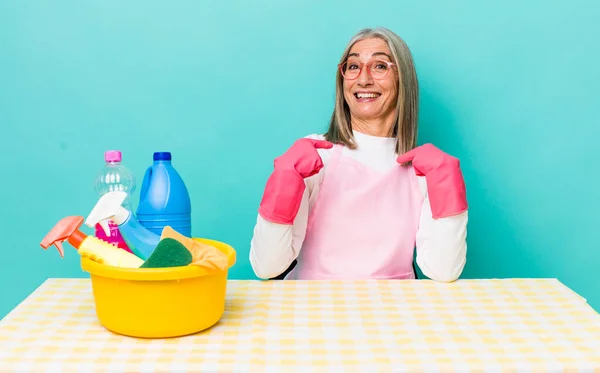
407,106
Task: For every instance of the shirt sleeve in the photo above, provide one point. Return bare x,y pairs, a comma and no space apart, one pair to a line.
275,246
441,243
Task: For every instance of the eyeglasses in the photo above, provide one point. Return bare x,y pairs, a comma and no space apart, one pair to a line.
376,69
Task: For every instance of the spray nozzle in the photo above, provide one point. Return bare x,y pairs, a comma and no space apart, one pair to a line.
107,208
67,229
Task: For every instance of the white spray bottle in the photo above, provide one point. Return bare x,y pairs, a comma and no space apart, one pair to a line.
140,240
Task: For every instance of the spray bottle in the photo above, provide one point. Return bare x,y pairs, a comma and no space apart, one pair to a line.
140,240
67,229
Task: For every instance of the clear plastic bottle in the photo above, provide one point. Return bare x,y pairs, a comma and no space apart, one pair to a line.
114,176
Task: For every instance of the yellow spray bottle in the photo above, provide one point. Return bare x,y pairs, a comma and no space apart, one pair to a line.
67,229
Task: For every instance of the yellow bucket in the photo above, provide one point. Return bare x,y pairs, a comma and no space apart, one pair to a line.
159,302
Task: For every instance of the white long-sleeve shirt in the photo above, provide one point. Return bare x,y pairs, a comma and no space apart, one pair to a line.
440,243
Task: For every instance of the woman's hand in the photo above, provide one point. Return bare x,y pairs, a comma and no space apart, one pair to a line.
445,183
284,189
302,157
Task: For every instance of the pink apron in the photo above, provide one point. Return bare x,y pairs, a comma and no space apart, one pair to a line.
362,225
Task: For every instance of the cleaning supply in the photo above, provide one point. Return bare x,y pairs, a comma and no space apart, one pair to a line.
114,176
285,186
445,183
109,207
164,198
93,248
203,255
159,302
168,253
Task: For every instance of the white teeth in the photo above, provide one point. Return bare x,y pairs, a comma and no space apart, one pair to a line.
367,95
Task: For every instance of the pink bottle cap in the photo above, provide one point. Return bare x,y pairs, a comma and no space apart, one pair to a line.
112,156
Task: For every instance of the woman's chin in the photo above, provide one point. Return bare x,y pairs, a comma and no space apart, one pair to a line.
368,114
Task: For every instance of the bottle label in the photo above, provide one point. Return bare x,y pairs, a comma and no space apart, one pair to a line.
115,238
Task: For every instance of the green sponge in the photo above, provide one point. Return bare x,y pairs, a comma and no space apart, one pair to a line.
168,253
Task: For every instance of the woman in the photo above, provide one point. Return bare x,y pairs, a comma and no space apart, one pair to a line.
355,202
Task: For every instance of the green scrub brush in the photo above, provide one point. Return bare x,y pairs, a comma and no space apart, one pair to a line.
168,253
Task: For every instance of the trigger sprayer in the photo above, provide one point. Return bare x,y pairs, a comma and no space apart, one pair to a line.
67,229
140,240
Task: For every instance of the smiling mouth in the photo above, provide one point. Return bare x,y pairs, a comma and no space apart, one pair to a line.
366,96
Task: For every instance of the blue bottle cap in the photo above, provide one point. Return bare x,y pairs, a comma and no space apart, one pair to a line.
162,156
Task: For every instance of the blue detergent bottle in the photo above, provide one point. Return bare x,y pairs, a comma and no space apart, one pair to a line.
164,198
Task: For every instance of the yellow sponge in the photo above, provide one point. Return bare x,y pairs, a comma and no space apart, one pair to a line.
203,255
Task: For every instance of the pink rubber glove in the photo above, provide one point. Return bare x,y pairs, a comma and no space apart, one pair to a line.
445,183
283,192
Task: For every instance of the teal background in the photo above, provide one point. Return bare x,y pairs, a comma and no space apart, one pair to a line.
510,88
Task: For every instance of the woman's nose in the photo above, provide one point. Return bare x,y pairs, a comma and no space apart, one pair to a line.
364,78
